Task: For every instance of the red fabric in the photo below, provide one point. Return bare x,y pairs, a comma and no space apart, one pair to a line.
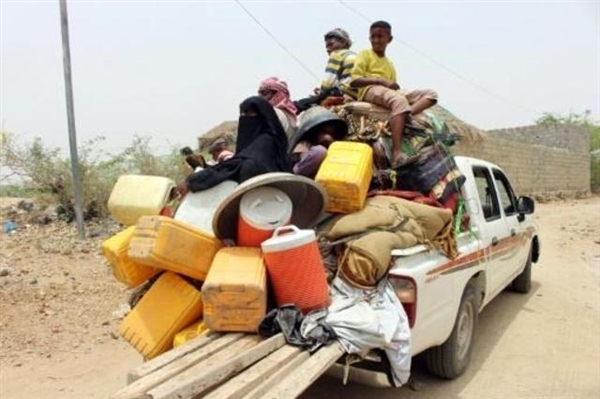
166,211
281,99
451,202
331,101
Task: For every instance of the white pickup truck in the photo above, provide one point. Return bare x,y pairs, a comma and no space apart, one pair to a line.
443,297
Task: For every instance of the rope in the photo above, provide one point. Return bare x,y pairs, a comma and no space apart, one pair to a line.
444,67
288,51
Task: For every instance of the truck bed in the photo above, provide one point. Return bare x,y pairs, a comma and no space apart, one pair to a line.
223,365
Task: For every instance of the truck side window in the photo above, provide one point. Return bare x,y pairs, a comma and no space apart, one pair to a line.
487,194
506,194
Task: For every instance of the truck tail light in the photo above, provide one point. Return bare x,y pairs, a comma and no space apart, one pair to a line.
406,290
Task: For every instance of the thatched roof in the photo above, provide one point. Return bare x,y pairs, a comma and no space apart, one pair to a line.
226,130
467,132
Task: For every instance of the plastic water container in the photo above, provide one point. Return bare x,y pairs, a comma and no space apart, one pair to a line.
125,270
295,268
345,174
262,210
235,290
134,196
197,209
198,329
170,305
169,244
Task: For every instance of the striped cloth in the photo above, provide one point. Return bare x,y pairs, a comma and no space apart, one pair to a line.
338,71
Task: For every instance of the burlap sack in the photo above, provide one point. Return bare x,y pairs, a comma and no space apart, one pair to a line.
386,212
367,259
431,219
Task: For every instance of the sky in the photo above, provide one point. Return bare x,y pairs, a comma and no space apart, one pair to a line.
172,70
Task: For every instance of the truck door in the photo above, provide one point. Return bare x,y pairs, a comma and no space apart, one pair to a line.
513,253
494,230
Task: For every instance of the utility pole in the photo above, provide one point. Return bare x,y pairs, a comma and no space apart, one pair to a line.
64,25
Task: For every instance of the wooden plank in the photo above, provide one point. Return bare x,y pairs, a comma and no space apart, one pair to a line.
294,384
170,356
139,387
201,377
253,376
271,380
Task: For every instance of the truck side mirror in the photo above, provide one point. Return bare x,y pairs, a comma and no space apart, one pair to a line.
525,206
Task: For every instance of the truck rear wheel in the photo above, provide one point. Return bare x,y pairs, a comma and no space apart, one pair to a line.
522,283
451,359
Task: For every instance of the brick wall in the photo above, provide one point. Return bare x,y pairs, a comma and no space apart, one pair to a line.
571,137
538,160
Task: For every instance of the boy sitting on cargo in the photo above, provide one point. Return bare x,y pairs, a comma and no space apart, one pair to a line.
337,72
374,75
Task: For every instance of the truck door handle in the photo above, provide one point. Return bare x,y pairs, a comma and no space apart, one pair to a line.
495,241
513,232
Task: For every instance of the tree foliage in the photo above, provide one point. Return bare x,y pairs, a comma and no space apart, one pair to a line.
44,169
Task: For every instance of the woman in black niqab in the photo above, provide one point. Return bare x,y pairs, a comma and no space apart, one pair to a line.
261,148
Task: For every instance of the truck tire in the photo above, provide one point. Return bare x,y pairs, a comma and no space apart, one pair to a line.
452,358
522,283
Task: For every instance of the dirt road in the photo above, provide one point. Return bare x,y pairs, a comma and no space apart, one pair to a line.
545,344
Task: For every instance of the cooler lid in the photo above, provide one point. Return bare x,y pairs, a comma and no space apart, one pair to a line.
266,208
287,237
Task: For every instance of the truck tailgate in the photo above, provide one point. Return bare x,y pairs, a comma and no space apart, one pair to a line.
230,365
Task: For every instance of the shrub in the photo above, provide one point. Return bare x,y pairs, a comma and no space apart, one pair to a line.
45,170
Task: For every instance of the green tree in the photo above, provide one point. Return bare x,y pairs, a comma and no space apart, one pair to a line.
46,170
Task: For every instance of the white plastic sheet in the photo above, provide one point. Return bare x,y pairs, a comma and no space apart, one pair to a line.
369,319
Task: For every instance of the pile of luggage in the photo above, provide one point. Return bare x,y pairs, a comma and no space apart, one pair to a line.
197,273
232,253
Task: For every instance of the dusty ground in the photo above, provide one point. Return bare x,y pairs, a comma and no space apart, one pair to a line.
60,308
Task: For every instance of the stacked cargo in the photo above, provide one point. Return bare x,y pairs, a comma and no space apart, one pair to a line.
230,250
199,283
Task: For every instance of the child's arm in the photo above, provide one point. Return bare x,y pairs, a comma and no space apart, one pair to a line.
362,82
360,76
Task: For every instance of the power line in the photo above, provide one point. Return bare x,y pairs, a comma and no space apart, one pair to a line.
289,52
444,67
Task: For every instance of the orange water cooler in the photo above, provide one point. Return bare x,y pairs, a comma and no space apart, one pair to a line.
262,210
295,269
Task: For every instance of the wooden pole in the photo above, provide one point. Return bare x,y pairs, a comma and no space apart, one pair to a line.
64,24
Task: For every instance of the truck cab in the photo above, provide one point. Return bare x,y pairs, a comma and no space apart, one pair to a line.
443,297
